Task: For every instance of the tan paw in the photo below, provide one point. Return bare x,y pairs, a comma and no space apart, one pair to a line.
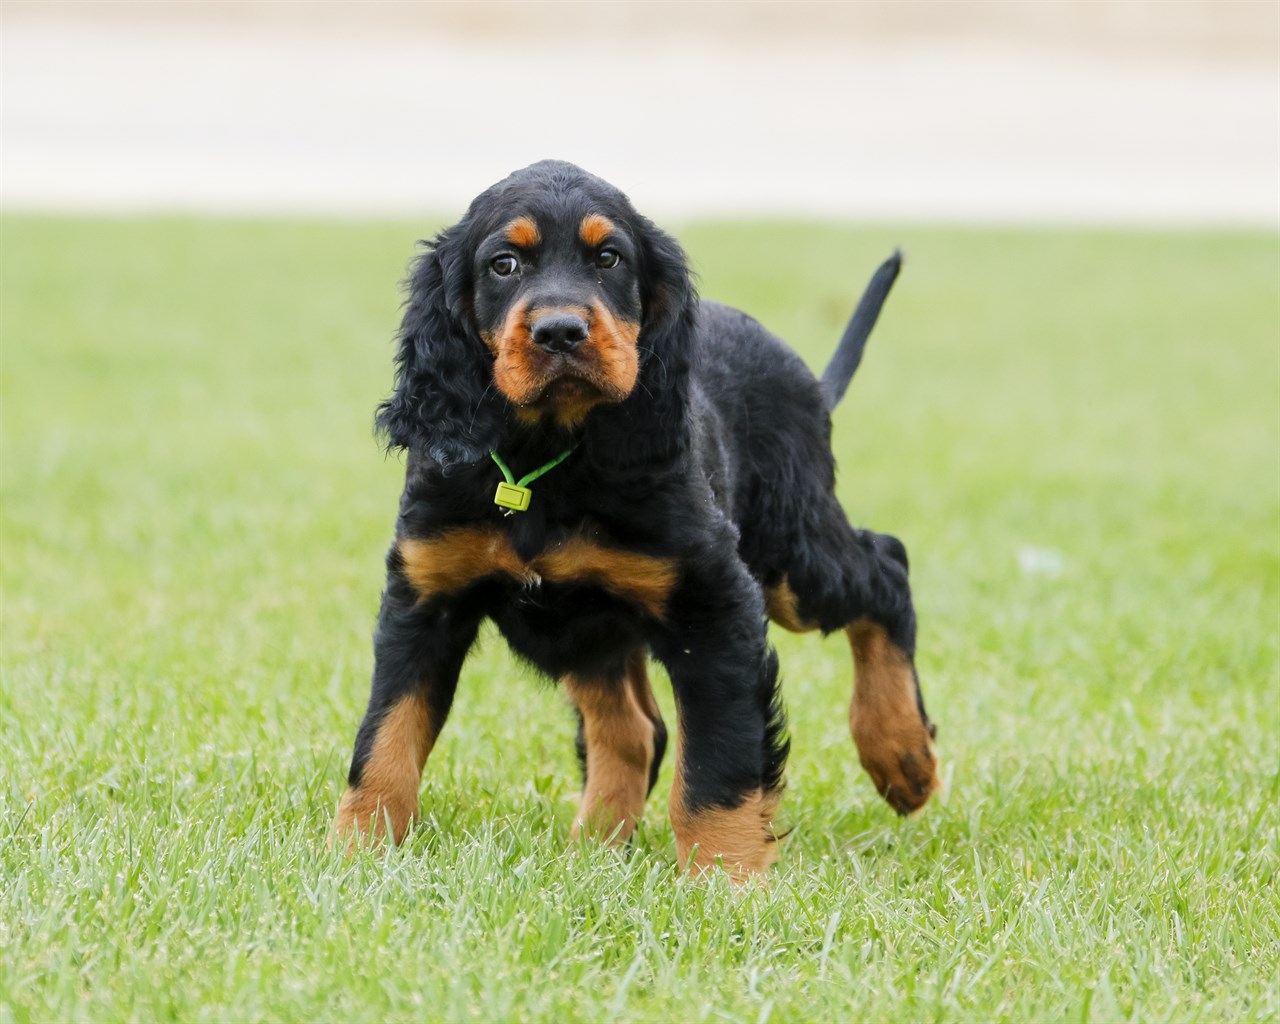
904,768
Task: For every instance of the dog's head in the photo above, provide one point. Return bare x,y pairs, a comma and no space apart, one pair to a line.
550,298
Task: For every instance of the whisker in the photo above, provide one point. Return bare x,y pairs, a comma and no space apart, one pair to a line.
476,412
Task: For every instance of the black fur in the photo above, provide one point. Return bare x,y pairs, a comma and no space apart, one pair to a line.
718,459
844,364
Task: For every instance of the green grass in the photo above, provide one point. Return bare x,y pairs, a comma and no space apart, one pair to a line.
1077,434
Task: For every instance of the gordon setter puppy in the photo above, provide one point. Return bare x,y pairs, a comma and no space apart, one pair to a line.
675,490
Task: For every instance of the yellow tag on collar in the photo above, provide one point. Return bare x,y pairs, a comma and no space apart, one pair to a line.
512,496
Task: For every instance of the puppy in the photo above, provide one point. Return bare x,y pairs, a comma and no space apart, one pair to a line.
609,468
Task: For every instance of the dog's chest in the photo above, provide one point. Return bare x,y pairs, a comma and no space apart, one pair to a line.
463,557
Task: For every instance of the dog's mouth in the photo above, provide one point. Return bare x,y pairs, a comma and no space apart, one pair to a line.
569,395
568,377
570,387
565,386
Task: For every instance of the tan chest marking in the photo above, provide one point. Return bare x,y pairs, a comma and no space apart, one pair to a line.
458,558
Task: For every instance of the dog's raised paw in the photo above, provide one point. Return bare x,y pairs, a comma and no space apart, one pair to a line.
905,778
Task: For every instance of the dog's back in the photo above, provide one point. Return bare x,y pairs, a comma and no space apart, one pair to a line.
771,416
770,421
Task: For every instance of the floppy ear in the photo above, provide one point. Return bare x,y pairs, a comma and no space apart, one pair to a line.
668,296
439,407
652,423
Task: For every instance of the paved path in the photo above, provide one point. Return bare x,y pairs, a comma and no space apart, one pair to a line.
210,119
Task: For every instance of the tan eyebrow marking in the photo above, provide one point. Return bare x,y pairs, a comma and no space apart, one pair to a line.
594,229
523,232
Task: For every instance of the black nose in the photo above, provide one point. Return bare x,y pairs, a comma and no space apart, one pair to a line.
560,332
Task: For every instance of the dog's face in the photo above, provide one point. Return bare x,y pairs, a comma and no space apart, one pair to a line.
557,302
552,296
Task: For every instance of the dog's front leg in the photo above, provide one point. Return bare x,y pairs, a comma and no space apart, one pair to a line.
621,740
419,647
731,748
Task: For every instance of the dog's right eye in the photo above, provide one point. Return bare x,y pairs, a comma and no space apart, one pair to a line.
504,266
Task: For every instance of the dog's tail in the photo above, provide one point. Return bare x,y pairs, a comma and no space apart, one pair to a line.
836,377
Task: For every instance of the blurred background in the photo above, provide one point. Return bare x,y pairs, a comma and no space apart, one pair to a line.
1106,111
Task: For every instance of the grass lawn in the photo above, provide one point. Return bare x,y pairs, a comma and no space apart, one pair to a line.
1076,433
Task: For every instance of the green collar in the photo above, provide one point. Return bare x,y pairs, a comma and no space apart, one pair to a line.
514,495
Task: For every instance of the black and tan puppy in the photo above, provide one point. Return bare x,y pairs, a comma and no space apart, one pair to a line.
676,487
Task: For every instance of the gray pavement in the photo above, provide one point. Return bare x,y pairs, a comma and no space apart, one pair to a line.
278,117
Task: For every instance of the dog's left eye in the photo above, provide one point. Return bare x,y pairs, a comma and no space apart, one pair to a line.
607,258
504,266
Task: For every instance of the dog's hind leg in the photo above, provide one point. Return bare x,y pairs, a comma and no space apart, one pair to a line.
419,648
887,719
864,591
621,740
